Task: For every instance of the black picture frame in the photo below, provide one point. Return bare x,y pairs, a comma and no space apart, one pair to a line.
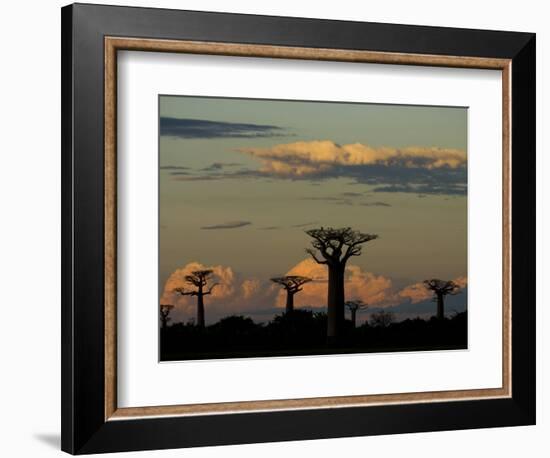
84,428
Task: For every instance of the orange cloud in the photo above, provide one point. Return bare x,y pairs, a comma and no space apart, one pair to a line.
304,158
461,281
418,292
415,293
248,296
250,287
224,276
373,289
233,295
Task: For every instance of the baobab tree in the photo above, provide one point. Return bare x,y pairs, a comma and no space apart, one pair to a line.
353,306
165,310
199,279
381,319
292,284
333,247
441,288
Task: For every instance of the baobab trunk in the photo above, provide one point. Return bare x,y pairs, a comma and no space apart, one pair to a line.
440,311
200,308
335,305
289,302
353,316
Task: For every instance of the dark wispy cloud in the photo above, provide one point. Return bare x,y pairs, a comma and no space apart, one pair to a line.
351,194
330,200
202,128
311,223
457,189
345,201
228,225
323,198
176,170
428,171
198,178
375,204
173,167
269,228
383,180
220,165
419,170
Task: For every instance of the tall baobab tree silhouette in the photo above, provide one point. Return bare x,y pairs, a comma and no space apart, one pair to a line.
292,284
353,306
334,247
165,310
441,288
199,279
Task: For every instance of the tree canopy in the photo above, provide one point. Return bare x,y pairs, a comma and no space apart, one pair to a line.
198,278
355,304
336,245
292,283
442,287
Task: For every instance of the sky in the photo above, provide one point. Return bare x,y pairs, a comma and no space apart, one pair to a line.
242,179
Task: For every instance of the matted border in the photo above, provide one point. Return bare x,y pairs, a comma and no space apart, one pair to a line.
114,44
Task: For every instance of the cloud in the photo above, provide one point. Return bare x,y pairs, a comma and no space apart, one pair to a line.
313,156
202,128
323,199
351,194
423,189
348,199
375,290
196,178
330,200
461,281
418,292
443,181
173,167
414,169
298,226
415,293
233,295
375,204
418,170
262,299
228,225
305,224
250,287
220,166
370,288
224,276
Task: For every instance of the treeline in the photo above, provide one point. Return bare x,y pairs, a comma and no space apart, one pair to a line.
303,332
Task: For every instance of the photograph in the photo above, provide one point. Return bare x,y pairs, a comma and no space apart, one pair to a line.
307,227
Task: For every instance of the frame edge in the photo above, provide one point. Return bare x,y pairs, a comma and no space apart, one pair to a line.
67,385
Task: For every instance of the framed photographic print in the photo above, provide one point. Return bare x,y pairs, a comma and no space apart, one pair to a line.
271,222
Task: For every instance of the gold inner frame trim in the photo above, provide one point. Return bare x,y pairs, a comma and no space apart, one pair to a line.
114,44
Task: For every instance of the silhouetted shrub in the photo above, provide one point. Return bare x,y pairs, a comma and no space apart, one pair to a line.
303,332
